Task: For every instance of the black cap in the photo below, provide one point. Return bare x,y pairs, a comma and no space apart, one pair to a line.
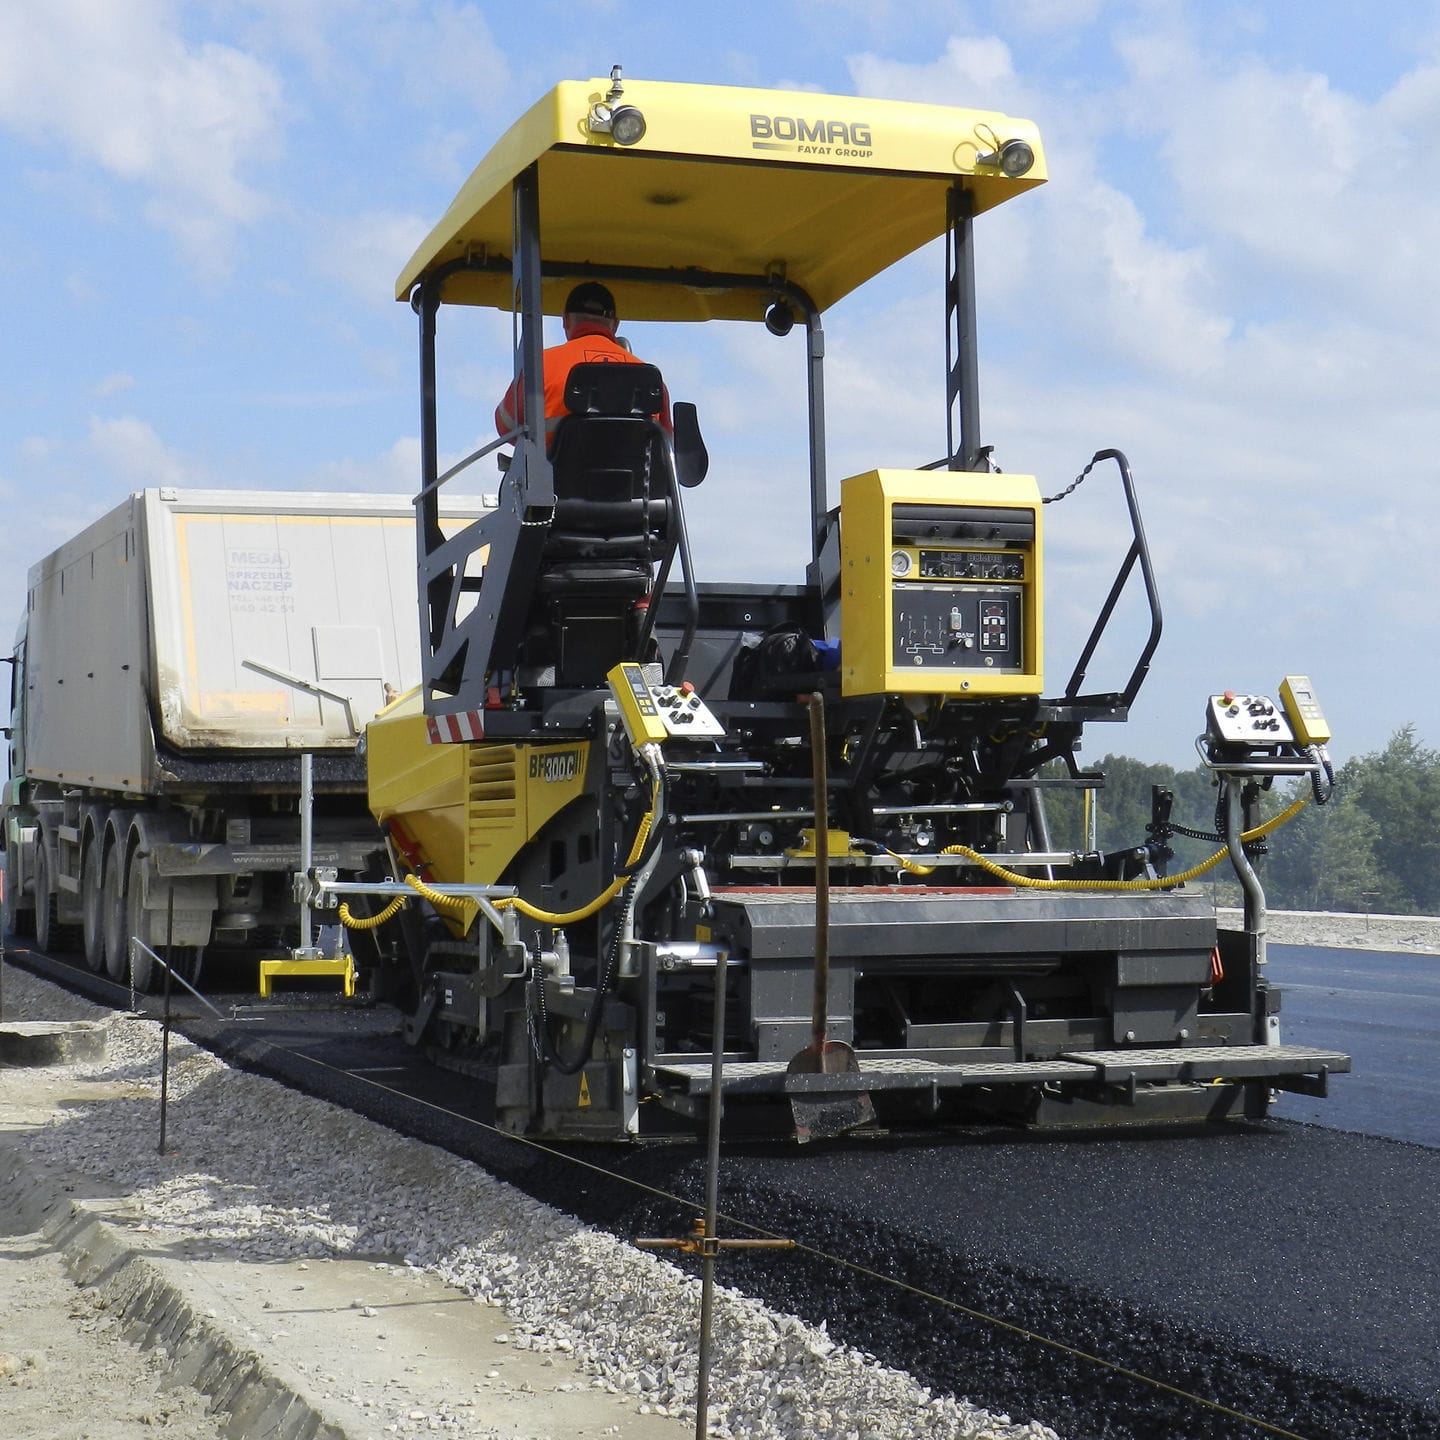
591,298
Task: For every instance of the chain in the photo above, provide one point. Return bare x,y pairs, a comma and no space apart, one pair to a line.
1208,835
1073,485
538,1024
1048,499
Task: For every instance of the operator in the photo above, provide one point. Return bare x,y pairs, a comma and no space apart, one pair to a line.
590,323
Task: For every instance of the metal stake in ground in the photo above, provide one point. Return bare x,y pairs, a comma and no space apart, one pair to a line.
823,1106
703,1240
165,1022
712,1193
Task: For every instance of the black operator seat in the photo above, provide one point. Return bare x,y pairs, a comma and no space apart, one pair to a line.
612,519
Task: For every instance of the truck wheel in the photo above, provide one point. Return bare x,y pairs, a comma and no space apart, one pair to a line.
115,937
143,968
92,909
17,922
50,935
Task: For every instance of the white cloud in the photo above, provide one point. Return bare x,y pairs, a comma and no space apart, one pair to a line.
438,52
1229,276
113,384
395,471
132,451
366,252
1084,253
450,48
970,68
1322,193
63,484
314,30
121,88
1134,291
1054,17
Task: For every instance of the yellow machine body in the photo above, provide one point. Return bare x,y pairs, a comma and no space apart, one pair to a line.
647,835
940,584
467,810
828,190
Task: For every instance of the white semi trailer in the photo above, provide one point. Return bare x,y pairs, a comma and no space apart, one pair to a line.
174,662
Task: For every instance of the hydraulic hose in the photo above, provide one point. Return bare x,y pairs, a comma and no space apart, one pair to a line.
1323,792
371,922
573,1064
646,838
457,906
636,872
639,864
1159,882
453,905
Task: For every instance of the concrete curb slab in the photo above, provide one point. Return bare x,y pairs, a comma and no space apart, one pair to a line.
51,1042
203,1352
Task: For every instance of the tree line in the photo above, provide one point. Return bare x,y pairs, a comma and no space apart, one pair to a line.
1375,846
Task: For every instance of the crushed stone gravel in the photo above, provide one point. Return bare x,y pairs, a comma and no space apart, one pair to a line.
263,1173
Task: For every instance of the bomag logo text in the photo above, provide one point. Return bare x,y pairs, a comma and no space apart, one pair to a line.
850,138
553,766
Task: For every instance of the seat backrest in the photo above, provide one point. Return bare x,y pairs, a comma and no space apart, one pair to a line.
608,456
611,524
614,388
605,459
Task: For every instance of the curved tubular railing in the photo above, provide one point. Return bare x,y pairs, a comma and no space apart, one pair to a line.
1139,552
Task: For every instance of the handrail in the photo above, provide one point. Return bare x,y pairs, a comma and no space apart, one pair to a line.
1140,551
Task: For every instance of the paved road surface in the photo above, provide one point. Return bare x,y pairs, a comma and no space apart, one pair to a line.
1383,1010
1289,1271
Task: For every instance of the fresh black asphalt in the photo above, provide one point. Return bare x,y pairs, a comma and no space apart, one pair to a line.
1279,1270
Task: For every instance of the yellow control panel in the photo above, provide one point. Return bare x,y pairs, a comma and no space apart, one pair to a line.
1303,710
637,705
940,584
654,712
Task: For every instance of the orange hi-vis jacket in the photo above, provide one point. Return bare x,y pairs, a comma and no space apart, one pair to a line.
590,344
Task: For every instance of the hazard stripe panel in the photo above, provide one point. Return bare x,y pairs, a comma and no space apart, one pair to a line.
447,729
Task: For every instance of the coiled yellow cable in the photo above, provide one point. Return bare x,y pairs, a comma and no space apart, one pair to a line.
356,922
572,917
1160,882
459,907
455,905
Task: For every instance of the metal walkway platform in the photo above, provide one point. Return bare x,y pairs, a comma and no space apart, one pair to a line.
1212,1062
1194,1064
759,1077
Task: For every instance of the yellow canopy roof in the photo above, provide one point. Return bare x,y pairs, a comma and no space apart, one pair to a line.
827,189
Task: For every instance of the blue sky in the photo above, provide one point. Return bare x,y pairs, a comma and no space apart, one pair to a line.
1228,277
